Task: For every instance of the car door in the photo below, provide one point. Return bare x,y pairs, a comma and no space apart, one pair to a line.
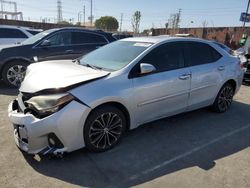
85,42
207,69
164,92
59,47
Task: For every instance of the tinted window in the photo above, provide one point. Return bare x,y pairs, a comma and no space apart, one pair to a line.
11,33
197,53
87,38
166,57
60,39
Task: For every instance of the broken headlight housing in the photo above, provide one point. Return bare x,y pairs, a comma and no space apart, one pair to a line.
45,105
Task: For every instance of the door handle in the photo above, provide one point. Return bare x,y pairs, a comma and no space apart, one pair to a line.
221,68
184,76
69,51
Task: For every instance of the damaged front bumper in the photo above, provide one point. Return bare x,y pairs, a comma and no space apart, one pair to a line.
58,133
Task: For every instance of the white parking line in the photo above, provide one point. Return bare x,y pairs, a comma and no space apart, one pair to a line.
190,152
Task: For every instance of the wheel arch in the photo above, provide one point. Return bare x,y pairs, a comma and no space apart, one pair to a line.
10,60
232,82
118,105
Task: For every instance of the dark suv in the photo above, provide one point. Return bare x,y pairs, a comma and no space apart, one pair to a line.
54,44
247,73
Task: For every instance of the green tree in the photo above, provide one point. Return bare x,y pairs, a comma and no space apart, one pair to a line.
136,19
107,23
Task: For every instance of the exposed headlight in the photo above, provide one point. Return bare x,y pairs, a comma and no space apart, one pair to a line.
47,104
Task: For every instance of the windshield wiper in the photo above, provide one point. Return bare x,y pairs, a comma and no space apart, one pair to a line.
92,66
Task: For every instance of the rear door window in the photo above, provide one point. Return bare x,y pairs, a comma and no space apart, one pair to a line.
197,53
11,33
87,38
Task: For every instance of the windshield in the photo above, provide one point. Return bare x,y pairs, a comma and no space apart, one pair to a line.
37,37
115,56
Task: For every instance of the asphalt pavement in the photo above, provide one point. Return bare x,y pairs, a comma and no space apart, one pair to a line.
195,149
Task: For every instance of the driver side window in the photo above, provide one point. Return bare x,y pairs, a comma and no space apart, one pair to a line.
60,39
166,57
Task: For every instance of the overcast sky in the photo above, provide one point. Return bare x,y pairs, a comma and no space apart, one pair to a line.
154,12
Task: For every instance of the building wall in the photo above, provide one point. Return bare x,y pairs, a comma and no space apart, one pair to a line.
227,35
35,25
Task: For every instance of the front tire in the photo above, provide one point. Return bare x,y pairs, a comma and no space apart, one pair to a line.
224,98
104,128
13,73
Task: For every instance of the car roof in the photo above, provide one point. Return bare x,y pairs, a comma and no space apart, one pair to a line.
162,38
14,27
81,28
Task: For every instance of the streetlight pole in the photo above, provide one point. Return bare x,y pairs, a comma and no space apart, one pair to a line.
246,14
91,12
84,15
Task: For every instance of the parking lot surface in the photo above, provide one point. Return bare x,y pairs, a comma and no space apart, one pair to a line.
195,149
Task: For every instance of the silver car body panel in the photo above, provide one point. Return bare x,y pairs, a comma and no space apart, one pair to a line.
146,98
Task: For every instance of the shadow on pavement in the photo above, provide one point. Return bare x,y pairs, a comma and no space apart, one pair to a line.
192,139
5,90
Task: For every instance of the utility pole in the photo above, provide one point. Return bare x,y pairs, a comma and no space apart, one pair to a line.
91,12
59,11
246,14
84,15
121,22
2,9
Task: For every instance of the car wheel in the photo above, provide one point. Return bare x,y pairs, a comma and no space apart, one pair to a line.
104,128
13,73
224,99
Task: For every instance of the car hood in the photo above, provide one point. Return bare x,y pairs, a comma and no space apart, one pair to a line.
57,75
8,46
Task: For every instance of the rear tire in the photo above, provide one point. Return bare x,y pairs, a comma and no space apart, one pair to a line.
13,73
104,128
224,99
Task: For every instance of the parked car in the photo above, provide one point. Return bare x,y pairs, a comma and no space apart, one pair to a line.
14,34
119,36
54,44
64,106
247,70
245,49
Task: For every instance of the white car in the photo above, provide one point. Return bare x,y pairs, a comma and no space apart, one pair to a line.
15,34
64,105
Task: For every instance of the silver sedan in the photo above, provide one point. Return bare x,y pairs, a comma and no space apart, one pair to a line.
91,102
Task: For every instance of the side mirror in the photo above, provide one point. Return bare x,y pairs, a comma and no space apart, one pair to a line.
146,68
46,43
